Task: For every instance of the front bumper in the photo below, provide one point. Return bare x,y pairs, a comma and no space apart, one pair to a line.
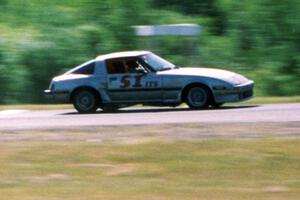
241,92
59,97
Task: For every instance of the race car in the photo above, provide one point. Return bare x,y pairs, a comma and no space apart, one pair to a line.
122,79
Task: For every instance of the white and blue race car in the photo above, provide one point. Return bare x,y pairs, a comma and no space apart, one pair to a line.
122,79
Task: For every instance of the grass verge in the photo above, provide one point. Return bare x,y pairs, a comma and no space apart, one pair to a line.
208,169
271,100
36,107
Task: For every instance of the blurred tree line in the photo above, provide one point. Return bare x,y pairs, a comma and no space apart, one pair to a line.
40,39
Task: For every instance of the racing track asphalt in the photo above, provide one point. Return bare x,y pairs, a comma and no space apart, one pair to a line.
60,119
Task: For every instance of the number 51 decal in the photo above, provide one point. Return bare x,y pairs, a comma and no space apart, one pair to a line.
126,82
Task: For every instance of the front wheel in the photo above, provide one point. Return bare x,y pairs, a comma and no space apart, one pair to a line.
197,97
85,101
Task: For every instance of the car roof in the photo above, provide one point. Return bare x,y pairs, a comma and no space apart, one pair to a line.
121,55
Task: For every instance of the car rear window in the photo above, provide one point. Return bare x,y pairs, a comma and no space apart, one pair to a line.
87,69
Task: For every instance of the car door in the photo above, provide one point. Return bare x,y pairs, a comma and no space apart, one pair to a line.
129,81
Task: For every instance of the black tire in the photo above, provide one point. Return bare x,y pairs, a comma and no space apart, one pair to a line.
85,101
198,97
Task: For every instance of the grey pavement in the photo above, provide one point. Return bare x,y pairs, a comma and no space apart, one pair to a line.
56,119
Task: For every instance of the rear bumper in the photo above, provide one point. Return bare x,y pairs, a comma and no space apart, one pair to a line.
241,92
59,97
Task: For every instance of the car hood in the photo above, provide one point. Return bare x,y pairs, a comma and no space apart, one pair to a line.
224,75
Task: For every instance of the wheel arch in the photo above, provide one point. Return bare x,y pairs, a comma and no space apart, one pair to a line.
84,88
190,85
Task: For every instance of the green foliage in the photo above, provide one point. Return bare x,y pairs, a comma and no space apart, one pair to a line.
40,39
3,74
266,34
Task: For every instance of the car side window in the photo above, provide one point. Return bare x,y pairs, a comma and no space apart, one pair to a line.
124,65
87,69
115,66
133,66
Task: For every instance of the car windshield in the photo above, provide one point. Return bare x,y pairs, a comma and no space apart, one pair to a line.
157,63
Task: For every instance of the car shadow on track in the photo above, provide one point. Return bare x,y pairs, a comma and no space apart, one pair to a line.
161,109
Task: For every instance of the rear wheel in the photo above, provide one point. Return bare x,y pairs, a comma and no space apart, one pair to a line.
86,101
197,97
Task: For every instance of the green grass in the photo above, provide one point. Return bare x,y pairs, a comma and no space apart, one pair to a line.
36,106
270,100
209,169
